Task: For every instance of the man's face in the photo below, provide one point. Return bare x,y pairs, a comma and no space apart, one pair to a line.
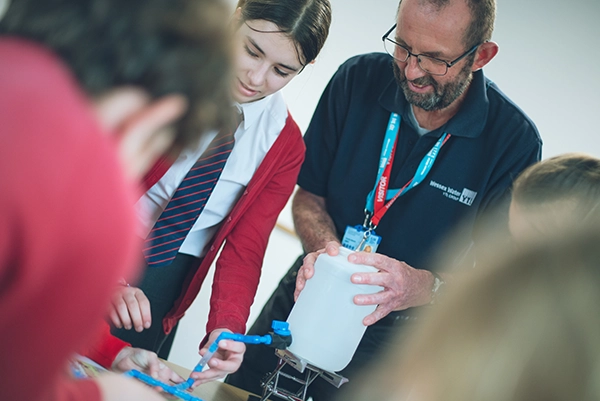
437,33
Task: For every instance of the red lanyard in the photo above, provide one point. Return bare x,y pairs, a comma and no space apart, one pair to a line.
380,207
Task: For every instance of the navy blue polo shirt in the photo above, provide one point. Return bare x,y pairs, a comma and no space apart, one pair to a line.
492,142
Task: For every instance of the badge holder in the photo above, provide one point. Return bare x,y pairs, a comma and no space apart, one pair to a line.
271,383
361,238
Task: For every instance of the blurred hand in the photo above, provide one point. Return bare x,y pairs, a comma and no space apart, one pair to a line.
227,359
403,286
115,387
130,308
144,361
308,266
143,127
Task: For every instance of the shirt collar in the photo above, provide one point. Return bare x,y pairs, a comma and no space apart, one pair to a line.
470,119
252,111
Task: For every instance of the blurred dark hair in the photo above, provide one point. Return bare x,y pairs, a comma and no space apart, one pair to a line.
306,22
162,46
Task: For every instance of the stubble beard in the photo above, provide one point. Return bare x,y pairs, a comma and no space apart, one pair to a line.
443,94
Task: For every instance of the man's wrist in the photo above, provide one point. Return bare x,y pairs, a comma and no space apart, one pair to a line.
438,283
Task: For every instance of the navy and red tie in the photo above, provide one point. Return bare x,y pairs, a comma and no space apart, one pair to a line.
188,201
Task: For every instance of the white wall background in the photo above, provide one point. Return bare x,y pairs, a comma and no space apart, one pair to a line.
548,63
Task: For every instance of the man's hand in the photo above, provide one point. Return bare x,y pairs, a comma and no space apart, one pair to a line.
130,308
227,359
308,266
404,286
144,361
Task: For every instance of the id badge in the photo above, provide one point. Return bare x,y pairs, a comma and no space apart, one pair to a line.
353,238
371,243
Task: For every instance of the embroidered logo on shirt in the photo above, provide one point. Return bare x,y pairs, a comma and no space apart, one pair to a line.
466,197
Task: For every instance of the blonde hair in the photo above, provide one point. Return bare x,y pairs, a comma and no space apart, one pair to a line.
522,326
557,189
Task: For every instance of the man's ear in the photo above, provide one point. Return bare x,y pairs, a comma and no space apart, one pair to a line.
484,54
143,128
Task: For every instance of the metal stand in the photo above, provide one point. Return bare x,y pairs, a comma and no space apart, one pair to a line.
271,383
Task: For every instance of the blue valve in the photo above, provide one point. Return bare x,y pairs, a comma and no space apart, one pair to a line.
281,328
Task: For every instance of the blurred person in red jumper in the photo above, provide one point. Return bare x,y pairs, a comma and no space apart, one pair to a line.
154,73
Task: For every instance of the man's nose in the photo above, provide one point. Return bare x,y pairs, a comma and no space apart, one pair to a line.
412,70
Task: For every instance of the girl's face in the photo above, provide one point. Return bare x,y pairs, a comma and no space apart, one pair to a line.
264,61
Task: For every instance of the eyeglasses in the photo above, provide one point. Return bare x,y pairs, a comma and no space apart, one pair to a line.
430,65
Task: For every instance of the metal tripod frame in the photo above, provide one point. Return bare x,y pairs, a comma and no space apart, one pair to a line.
271,383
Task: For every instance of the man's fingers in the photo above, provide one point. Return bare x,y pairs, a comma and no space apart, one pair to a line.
308,272
332,248
379,313
378,298
381,262
380,278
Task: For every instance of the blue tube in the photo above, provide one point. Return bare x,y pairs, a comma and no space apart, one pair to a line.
279,328
266,339
173,390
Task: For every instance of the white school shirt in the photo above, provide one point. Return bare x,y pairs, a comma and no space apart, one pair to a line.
263,121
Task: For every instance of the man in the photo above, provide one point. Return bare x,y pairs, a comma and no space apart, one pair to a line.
150,72
460,142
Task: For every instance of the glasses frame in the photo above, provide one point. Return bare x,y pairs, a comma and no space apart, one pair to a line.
448,64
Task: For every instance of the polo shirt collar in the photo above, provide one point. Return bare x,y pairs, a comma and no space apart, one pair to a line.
470,119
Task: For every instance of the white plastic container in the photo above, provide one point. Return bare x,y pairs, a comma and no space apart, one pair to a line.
325,323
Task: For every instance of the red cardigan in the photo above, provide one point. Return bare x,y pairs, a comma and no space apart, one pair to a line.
245,233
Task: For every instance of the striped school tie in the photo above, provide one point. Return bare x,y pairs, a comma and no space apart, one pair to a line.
188,201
